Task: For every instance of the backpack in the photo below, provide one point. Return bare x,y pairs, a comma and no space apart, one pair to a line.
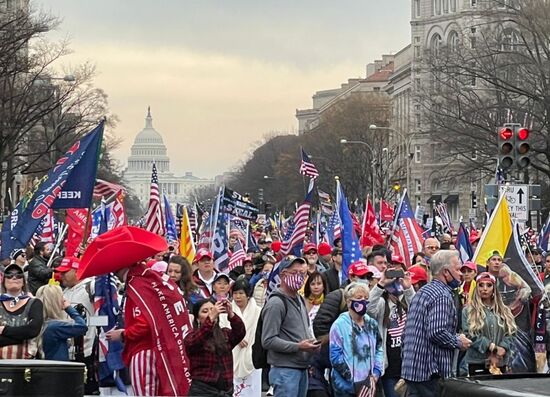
259,354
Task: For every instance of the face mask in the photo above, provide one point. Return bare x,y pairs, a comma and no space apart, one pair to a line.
363,281
395,288
454,283
359,306
295,281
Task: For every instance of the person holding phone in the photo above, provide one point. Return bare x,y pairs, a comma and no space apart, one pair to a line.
209,348
388,305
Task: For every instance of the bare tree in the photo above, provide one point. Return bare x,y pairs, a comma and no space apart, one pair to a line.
478,81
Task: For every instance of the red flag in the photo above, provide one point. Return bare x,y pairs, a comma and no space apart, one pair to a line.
76,221
386,212
371,234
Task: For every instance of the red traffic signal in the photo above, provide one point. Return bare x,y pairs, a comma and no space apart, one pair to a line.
523,134
506,133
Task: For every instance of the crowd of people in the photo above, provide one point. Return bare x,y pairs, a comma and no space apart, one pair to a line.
387,328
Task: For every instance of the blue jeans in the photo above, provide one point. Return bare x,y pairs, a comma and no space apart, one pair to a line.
429,388
288,382
389,386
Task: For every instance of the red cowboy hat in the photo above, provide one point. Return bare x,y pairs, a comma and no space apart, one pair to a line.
119,248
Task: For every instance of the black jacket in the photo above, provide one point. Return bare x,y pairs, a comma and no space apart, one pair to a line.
38,273
328,313
332,279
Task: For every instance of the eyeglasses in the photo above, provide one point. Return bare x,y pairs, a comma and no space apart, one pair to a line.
11,276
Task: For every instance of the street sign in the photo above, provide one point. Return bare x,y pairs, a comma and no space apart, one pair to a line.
518,202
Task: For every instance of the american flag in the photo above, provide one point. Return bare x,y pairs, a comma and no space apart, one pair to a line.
407,234
293,243
107,189
307,168
443,212
333,230
397,323
237,257
153,217
170,222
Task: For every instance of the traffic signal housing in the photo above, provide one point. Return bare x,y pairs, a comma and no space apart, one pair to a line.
506,147
523,147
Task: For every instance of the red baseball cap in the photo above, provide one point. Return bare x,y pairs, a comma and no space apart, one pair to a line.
486,276
358,268
276,246
309,247
470,265
203,253
324,249
397,259
68,263
418,273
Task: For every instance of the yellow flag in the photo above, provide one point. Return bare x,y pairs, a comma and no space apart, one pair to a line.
187,246
496,234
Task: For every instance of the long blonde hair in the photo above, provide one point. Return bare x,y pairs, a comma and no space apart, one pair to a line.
476,314
52,298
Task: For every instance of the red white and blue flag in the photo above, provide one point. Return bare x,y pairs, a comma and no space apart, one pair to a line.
463,244
295,240
407,234
107,189
153,217
307,168
237,257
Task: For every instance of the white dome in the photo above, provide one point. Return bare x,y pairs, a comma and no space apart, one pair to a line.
148,136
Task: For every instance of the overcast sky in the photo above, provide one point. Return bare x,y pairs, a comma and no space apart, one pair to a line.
220,75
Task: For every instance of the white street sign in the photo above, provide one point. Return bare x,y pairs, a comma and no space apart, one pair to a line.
518,202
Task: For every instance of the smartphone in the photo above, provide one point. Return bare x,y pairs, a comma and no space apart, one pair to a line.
221,298
317,342
394,273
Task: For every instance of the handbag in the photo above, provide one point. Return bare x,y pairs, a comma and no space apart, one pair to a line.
365,388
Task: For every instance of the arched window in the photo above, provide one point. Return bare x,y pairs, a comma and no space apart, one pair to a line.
453,41
435,44
509,40
436,184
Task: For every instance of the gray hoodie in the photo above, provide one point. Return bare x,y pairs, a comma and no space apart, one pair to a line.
284,329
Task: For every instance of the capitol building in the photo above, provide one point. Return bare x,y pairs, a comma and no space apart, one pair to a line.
149,147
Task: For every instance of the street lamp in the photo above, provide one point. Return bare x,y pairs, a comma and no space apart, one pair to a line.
407,141
346,142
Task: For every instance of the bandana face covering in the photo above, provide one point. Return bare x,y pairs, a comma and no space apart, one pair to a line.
295,281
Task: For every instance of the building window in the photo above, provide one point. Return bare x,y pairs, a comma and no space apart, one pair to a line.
435,44
473,3
453,41
474,154
417,51
418,186
417,153
509,40
436,7
445,6
453,5
417,83
416,8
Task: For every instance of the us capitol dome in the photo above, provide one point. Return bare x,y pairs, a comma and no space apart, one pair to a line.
149,147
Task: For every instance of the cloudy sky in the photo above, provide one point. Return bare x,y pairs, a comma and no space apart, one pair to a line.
221,74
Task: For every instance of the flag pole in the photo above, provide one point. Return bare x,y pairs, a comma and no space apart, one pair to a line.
395,216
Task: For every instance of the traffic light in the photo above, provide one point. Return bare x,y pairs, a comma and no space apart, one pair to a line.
261,195
474,200
506,143
523,146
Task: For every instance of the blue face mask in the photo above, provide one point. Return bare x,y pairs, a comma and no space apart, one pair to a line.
395,288
454,283
359,306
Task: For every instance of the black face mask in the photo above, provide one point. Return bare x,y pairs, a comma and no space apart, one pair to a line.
454,283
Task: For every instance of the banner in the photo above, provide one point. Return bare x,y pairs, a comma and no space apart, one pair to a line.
35,204
235,204
159,300
219,246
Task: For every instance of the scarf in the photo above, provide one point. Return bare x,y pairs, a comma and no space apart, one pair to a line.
316,301
242,356
13,299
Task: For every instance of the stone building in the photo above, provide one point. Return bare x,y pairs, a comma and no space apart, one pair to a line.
149,147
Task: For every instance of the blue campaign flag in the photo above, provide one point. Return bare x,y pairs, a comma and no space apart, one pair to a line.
110,352
351,251
78,189
37,202
170,222
463,244
219,245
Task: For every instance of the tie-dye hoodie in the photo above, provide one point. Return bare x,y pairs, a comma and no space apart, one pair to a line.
355,352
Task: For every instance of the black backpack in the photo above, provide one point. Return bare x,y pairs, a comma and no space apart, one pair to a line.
259,354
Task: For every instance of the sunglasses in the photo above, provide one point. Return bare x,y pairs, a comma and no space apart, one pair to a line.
11,276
